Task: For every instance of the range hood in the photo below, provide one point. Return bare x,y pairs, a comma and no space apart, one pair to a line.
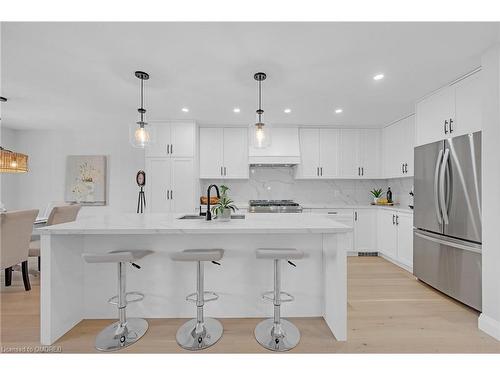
283,151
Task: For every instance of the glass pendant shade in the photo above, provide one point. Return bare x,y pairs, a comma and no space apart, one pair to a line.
260,135
13,162
141,134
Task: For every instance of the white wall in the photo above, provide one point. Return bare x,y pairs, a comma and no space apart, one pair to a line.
489,321
47,151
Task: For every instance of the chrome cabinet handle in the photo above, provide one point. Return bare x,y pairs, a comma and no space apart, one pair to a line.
451,129
445,128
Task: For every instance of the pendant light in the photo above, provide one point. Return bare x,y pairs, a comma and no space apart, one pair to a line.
260,133
141,133
10,161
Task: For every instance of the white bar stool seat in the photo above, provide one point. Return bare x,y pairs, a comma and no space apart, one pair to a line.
125,331
199,333
275,333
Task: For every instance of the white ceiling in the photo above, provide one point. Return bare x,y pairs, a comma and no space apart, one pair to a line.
70,75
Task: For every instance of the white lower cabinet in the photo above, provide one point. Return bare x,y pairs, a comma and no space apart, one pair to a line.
365,229
170,185
395,236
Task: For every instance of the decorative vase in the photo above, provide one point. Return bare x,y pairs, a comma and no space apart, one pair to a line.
375,200
90,191
226,215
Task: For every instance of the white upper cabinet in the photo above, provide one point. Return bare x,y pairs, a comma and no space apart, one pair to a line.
173,139
451,111
468,111
359,153
398,145
224,153
309,153
349,153
236,153
211,152
369,153
319,153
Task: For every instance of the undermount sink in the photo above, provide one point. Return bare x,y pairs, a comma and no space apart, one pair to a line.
198,217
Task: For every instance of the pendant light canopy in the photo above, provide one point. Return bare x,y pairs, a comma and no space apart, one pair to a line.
260,133
13,162
141,133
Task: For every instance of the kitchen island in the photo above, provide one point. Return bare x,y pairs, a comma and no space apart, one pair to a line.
72,290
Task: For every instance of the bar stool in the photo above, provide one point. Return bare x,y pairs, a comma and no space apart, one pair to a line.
199,333
125,331
275,333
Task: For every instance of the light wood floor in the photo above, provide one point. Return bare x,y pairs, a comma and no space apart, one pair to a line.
389,311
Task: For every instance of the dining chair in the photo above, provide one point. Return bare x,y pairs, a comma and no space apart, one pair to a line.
58,215
15,234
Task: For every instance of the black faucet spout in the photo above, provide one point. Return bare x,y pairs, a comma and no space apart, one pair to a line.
209,214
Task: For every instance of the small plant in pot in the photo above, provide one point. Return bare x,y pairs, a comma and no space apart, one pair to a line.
377,193
223,209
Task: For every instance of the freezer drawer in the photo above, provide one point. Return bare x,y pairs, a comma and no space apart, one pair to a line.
451,266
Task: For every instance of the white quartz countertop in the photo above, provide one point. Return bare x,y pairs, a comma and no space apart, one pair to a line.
315,206
265,223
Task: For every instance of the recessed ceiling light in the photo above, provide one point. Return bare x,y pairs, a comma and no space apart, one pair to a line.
287,110
378,77
185,109
236,110
339,110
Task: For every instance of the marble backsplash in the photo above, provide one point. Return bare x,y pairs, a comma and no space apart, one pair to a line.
279,183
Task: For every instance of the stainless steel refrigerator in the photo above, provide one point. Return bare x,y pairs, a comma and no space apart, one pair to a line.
447,217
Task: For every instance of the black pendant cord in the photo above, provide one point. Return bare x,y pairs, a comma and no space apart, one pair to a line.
142,102
260,111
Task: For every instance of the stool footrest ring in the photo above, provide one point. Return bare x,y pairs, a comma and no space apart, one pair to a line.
135,297
270,296
207,297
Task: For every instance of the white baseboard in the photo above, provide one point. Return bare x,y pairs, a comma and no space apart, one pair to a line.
489,325
397,263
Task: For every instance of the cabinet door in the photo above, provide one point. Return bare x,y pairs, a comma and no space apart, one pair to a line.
468,108
182,139
389,142
365,230
211,152
309,153
235,153
405,239
158,173
387,237
432,112
159,147
408,136
349,165
183,193
369,151
328,152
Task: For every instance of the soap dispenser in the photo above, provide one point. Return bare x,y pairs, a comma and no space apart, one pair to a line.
389,195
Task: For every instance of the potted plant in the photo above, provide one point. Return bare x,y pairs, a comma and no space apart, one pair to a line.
222,210
377,193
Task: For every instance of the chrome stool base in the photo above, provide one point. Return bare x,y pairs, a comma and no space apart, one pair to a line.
110,340
188,339
264,335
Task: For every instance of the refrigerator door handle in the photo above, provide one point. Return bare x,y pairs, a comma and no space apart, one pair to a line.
442,195
449,243
436,184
